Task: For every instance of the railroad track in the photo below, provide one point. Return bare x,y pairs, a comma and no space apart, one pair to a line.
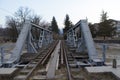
36,69
73,71
69,75
33,67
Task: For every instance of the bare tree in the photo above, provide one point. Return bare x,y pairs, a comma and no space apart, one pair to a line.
12,24
35,19
22,14
15,23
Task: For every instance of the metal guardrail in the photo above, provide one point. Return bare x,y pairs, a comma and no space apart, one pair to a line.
107,41
26,37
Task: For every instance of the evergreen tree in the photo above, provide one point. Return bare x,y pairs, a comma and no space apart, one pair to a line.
67,23
93,30
106,28
104,16
54,25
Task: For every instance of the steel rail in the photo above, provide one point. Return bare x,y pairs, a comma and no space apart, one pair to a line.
66,62
45,57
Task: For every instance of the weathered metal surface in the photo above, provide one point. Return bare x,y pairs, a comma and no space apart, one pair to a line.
16,52
84,41
27,35
88,40
53,62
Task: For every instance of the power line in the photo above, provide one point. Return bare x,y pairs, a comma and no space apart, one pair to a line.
6,11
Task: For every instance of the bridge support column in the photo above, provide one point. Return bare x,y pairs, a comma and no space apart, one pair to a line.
81,44
41,38
74,38
2,55
30,44
104,52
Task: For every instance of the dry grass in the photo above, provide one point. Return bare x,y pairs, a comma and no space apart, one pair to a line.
61,74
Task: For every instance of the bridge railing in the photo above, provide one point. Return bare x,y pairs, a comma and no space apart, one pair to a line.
85,41
33,37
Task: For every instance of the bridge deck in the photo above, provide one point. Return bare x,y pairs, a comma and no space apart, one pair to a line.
7,71
52,65
104,69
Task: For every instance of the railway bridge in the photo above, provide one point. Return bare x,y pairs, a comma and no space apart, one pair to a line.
49,59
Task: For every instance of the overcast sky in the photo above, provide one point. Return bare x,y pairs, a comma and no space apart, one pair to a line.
76,9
